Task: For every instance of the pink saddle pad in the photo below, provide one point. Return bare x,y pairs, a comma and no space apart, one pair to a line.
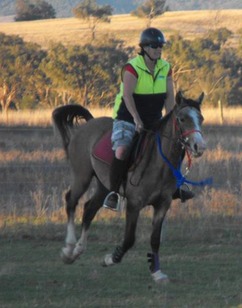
103,149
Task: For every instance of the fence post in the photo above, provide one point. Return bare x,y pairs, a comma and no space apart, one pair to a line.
220,105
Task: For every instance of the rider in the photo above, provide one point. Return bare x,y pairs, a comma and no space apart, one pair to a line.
146,87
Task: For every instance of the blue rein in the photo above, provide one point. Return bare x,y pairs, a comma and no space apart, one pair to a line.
180,179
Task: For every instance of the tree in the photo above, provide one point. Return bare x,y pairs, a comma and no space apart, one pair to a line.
93,14
86,74
220,36
33,10
203,64
19,71
150,9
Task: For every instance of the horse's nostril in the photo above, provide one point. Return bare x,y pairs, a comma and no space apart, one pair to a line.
195,147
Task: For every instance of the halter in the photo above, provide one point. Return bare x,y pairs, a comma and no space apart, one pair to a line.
180,179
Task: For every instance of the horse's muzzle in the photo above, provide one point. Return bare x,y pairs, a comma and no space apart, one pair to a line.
197,144
198,148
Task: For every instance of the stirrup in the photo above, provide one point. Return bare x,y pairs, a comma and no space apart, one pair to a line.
114,205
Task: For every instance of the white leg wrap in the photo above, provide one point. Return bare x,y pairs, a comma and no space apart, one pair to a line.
108,260
158,276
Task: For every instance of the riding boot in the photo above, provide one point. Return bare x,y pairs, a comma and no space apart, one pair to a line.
117,172
182,194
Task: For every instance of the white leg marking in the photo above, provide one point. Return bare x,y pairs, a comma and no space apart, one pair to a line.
71,234
81,245
67,251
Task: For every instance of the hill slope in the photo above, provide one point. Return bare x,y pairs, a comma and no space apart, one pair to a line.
189,24
64,8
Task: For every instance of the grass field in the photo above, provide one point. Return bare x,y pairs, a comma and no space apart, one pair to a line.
201,257
189,24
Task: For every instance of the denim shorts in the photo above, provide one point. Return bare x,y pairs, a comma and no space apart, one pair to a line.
123,133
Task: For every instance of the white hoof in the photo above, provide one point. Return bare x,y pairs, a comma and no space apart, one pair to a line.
79,249
67,254
108,260
158,276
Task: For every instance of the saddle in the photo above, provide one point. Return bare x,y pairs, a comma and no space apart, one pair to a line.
103,148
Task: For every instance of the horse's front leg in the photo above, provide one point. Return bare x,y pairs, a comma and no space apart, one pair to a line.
129,239
153,258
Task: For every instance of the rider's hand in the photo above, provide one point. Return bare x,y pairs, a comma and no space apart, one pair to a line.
139,126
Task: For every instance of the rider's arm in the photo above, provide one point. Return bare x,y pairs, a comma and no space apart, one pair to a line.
170,98
129,84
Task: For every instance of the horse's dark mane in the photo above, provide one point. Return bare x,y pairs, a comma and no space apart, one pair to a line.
162,122
186,103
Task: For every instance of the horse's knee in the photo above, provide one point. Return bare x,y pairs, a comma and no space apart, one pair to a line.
71,202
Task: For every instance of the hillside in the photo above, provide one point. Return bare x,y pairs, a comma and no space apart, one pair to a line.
64,8
72,31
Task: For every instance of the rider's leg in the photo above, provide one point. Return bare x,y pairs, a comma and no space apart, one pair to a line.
117,172
122,138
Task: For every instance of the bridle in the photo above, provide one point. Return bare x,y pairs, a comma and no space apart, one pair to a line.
180,178
183,135
186,133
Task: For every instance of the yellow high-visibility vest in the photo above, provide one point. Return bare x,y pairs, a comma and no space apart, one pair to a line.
149,90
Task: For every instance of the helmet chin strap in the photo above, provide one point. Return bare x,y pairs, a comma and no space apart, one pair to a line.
151,59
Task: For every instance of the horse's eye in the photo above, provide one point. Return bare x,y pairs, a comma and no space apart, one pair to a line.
181,120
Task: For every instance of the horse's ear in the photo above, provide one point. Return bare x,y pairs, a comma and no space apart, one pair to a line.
200,99
179,97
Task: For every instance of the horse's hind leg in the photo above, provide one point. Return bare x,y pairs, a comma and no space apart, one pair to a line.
72,198
90,209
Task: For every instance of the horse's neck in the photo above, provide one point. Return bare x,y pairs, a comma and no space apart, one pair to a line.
169,139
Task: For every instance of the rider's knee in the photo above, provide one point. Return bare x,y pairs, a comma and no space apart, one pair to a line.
121,152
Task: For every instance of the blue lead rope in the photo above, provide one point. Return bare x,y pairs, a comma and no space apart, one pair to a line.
180,179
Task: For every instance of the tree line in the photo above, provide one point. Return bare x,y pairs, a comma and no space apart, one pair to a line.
90,75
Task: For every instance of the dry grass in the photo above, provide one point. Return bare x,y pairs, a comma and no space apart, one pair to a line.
35,174
231,116
40,117
189,24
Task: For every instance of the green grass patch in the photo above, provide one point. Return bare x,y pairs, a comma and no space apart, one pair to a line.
204,266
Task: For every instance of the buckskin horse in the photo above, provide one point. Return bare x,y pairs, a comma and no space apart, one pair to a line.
156,182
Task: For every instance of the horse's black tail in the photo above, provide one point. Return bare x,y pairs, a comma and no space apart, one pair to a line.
65,117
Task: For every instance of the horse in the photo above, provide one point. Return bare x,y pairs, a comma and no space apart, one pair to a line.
177,132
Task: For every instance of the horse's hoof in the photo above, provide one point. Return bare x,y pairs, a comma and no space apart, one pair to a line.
79,249
108,260
66,257
160,277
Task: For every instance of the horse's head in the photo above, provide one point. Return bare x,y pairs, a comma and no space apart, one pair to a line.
188,121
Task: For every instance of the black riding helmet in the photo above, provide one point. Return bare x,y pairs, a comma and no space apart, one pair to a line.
151,36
